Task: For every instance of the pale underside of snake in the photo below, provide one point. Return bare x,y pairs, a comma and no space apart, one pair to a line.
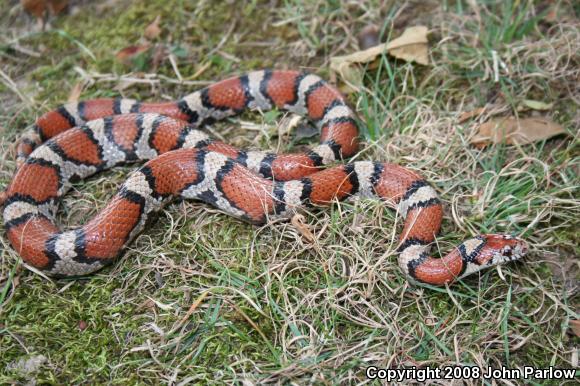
80,139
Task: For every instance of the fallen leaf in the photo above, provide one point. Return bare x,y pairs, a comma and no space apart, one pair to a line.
410,46
299,223
575,327
57,6
470,114
34,7
513,131
535,105
82,325
129,53
153,30
39,7
288,124
76,91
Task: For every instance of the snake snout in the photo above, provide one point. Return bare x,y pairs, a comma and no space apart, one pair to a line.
514,248
502,248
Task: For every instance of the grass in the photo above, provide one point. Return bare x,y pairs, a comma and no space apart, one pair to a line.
203,298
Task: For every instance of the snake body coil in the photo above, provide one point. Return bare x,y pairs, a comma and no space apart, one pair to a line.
80,139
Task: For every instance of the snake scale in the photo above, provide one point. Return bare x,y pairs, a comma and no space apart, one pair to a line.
80,139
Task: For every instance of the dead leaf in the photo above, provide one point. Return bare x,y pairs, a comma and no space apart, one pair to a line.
39,7
410,46
127,54
34,7
288,124
76,91
511,131
575,327
153,30
299,223
470,114
57,6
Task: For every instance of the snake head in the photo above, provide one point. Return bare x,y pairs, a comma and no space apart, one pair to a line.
500,249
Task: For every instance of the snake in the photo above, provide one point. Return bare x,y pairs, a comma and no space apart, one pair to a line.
79,139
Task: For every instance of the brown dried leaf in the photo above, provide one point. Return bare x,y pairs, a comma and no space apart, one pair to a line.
57,6
75,92
34,7
470,114
302,228
126,54
153,30
511,131
39,7
410,46
575,327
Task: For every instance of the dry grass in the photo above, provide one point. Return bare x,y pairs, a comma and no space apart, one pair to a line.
200,297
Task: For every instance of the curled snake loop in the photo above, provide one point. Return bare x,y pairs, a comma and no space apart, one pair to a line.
80,139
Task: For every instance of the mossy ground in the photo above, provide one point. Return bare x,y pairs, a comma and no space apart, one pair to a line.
201,297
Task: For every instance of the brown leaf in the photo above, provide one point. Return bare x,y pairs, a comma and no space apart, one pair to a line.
410,46
470,114
153,30
34,7
126,54
513,131
575,327
57,6
302,228
39,7
75,92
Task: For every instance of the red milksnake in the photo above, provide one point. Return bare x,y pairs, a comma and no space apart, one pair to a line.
77,140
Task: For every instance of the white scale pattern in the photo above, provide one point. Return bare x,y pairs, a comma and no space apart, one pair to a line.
212,164
339,111
364,171
259,101
143,150
72,109
111,153
300,106
66,265
420,196
126,105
